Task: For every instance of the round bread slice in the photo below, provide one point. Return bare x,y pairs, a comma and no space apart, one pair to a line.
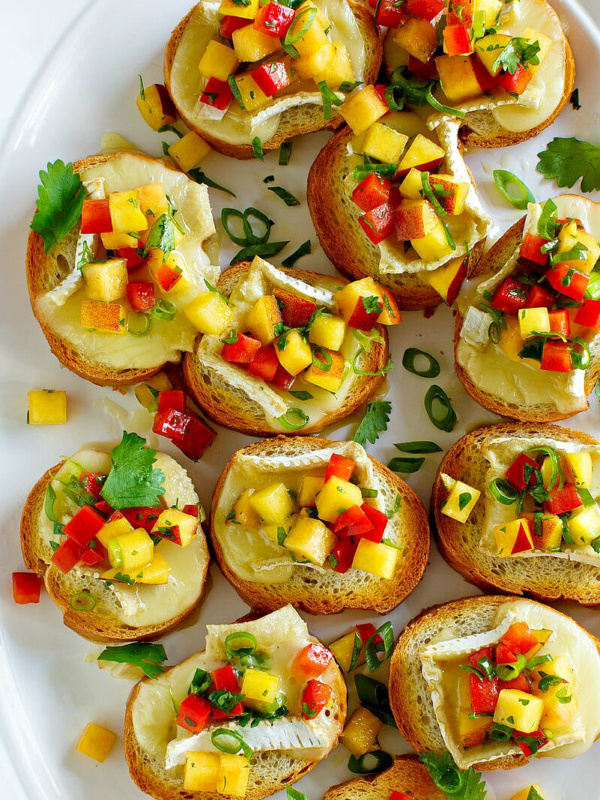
105,622
46,270
293,121
545,578
238,411
330,592
406,775
335,218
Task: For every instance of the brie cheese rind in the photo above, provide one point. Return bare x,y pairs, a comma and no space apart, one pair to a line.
237,126
546,88
500,453
518,382
280,635
439,667
251,553
139,605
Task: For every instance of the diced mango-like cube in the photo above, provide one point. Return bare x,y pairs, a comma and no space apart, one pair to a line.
273,503
418,37
153,201
147,393
115,241
233,8
46,407
209,313
201,772
278,533
378,559
343,650
489,11
309,489
560,700
328,330
106,317
450,193
460,501
532,321
458,78
519,710
251,95
584,525
125,212
412,185
293,351
330,375
362,109
528,794
186,524
352,294
361,732
513,537
313,39
340,70
189,151
155,573
252,45
243,512
263,317
105,280
131,551
544,42
422,152
471,731
320,17
310,540
259,688
315,63
447,279
218,61
549,531
542,637
489,49
336,497
384,143
96,742
434,244
592,251
579,467
234,772
113,529
156,107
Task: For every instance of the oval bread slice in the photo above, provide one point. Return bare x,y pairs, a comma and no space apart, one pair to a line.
406,775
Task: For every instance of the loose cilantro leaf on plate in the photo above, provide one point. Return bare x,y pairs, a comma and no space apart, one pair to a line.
59,204
148,657
453,782
132,481
374,422
567,160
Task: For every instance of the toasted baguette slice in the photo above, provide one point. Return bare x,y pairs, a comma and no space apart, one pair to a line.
269,770
45,271
544,578
105,623
329,592
335,216
407,775
293,121
410,694
237,410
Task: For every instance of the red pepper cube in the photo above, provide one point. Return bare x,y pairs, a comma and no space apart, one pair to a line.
568,281
141,295
525,748
504,655
475,658
242,351
514,83
95,553
486,81
521,472
531,249
365,631
171,399
272,76
296,311
520,683
283,379
217,94
314,698
93,483
562,500
133,257
192,510
426,71
172,424
225,679
67,555
95,217
588,314
27,587
425,9
510,296
389,14
274,19
378,521
342,554
352,522
540,297
340,467
142,516
457,41
372,191
167,276
84,525
198,438
519,638
556,356
230,24
378,223
264,364
102,507
312,661
560,322
194,713
484,694
464,16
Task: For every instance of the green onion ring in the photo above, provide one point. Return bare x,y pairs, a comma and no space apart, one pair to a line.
164,310
390,99
290,37
385,647
521,195
137,318
411,355
248,646
373,695
382,760
289,424
235,744
580,360
82,601
557,477
251,237
508,672
49,502
358,371
503,491
547,223
325,364
435,394
356,651
435,103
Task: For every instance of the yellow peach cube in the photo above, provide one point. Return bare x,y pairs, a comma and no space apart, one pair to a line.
153,201
251,95
234,772
384,143
209,313
251,45
147,393
328,330
340,70
327,370
362,109
294,352
112,529
233,8
309,489
155,573
189,151
115,241
201,772
310,540
337,496
47,407
273,503
519,710
263,318
259,688
105,317
376,558
96,742
532,321
361,732
105,281
218,61
317,62
460,501
186,526
125,212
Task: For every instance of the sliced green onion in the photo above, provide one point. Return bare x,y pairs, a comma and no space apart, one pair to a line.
362,170
250,235
580,360
285,152
418,447
358,371
547,221
586,496
365,340
164,310
302,395
305,249
245,644
49,502
520,196
291,37
257,148
501,733
435,103
406,465
373,695
414,89
321,359
83,601
264,250
356,651
199,176
377,653
229,741
371,763
436,399
411,355
293,419
577,253
503,491
390,98
508,672
226,214
329,99
368,492
287,197
537,660
430,195
348,86
557,476
139,324
235,90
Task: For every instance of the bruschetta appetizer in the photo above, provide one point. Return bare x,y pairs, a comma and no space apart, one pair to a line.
495,681
287,351
109,287
503,68
399,203
255,711
116,536
407,779
515,510
526,336
249,76
317,524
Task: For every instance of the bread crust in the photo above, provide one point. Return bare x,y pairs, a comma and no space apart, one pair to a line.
412,720
458,542
345,243
382,598
406,775
234,416
92,625
287,129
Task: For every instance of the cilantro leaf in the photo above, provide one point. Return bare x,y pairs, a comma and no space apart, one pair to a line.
162,235
375,420
132,481
567,160
450,780
518,52
148,657
59,204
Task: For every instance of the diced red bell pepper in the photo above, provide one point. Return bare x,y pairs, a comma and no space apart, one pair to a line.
460,12
67,555
483,653
224,679
519,638
378,223
510,296
102,507
540,297
352,522
283,379
230,24
92,482
272,76
425,9
504,655
265,362
562,500
95,217
311,661
588,314
568,281
484,694
559,321
26,587
94,553
314,698
84,525
372,191
141,295
217,93
171,399
365,631
132,256
378,521
274,19
457,41
380,92
389,14
194,713
342,553
514,83
191,435
556,356
427,71
531,250
486,81
192,510
521,472
525,748
242,351
340,467
520,683
142,516
167,276
171,423
296,311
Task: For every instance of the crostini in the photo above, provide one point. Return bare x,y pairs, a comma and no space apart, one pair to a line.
296,65
504,69
399,203
317,524
109,290
526,338
495,681
116,536
287,351
407,779
258,709
515,511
